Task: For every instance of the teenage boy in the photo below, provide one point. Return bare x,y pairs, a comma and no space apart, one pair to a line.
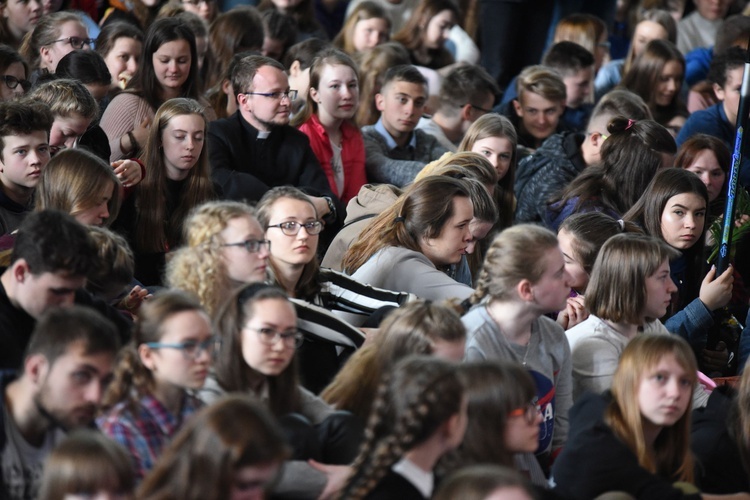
467,92
24,152
720,120
395,150
563,156
65,372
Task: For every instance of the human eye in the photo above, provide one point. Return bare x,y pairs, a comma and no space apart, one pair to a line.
189,346
678,211
291,225
485,152
81,377
334,86
402,100
700,213
505,156
659,377
684,382
183,60
43,149
179,137
21,152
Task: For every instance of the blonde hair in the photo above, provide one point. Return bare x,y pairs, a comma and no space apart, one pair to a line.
362,12
543,81
584,29
464,162
65,98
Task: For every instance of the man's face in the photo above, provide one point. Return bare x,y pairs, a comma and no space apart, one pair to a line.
730,93
401,105
262,111
578,86
71,388
23,158
37,293
539,116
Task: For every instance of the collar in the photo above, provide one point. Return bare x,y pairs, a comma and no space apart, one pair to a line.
389,140
347,130
168,423
422,480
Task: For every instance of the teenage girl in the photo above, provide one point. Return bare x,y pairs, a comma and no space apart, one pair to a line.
120,44
635,439
708,158
54,36
148,400
327,120
367,26
14,73
523,279
425,33
418,416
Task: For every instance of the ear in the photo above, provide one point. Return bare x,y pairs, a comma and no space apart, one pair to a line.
147,356
44,54
295,69
595,138
525,290
518,108
20,270
36,367
380,102
242,101
719,92
226,87
466,112
313,92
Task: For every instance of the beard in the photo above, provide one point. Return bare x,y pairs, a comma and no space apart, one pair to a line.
64,418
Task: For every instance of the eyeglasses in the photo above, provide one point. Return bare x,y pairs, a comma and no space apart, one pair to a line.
12,82
277,96
291,228
252,246
269,336
75,42
191,349
479,109
529,412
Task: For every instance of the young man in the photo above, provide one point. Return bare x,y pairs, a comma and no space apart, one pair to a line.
563,156
467,92
720,120
394,151
24,152
256,149
65,372
51,257
537,110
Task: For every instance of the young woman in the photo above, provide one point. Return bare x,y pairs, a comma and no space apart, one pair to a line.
177,180
418,416
635,439
494,137
231,450
167,70
419,327
523,279
225,247
120,44
630,157
232,32
630,290
14,73
657,75
425,33
708,158
327,120
148,400
412,244
87,464
19,17
367,26
673,209
54,36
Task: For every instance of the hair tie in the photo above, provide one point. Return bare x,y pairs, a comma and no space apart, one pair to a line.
398,219
631,122
621,224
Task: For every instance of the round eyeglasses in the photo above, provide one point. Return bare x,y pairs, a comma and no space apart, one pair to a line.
291,228
252,246
12,82
292,339
191,349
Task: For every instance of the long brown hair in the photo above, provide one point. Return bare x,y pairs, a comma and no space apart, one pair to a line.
362,12
155,230
411,34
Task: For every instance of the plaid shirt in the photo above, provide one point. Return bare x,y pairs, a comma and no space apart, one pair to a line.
145,433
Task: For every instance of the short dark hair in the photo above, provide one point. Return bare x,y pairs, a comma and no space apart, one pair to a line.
60,327
733,57
85,66
245,70
404,73
8,56
23,117
278,26
304,52
464,84
568,57
52,241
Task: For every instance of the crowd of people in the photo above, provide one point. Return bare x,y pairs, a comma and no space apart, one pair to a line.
376,249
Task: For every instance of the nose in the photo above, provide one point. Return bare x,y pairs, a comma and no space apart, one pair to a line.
671,287
689,221
172,66
35,5
94,392
706,179
104,211
131,65
34,157
566,278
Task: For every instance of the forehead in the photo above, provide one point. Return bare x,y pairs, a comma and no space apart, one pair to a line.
175,48
690,201
673,67
650,29
443,16
291,208
73,28
59,279
413,90
705,158
74,122
734,76
34,138
270,78
536,101
337,72
189,123
126,44
75,356
274,311
242,226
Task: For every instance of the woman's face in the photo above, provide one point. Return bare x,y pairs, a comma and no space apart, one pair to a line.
52,53
251,481
664,393
646,31
17,71
683,219
579,278
22,15
242,265
669,83
98,213
337,94
659,290
706,166
269,317
206,9
122,60
550,293
180,367
66,131
369,33
438,29
454,238
172,66
182,143
295,250
499,152
521,433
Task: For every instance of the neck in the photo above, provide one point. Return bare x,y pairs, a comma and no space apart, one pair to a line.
401,138
170,396
9,285
19,194
514,318
650,433
451,127
169,93
627,330
425,455
288,276
260,127
19,397
332,126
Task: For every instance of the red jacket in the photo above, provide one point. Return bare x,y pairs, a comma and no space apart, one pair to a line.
352,155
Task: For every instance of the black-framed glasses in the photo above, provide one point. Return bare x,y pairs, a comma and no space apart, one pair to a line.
12,82
75,42
252,246
291,228
191,349
278,96
479,108
529,412
269,336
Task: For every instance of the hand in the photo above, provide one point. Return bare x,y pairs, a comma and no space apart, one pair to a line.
132,302
128,171
336,476
141,132
321,206
716,293
715,360
575,312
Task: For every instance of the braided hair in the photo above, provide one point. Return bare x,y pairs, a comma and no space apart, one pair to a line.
421,394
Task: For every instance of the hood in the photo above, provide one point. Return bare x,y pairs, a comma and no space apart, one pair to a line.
371,200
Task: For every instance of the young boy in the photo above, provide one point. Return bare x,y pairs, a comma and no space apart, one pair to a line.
394,151
576,66
24,152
